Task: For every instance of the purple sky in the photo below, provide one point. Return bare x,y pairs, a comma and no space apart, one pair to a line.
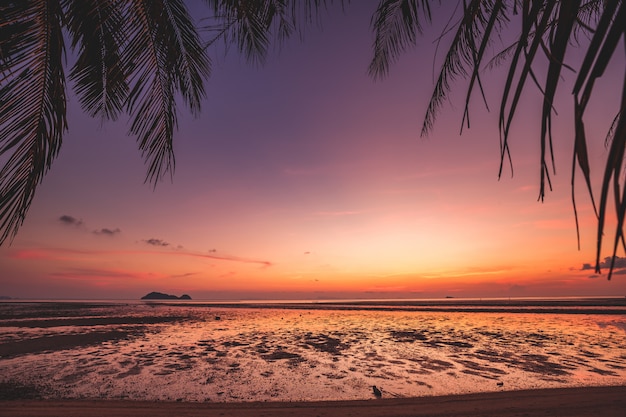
304,178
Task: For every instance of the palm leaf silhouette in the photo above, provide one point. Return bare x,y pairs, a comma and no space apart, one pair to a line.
547,28
99,73
254,25
396,25
611,26
132,56
165,56
32,103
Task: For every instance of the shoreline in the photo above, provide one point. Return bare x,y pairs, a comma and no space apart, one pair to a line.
606,401
584,305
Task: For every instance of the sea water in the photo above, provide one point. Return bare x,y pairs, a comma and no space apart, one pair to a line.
303,352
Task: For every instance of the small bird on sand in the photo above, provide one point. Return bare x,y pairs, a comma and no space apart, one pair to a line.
378,393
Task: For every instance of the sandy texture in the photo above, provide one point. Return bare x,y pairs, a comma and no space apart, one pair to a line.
181,353
568,402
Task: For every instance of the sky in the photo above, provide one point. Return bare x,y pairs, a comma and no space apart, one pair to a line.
304,178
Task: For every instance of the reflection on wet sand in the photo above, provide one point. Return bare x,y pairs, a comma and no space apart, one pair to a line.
183,352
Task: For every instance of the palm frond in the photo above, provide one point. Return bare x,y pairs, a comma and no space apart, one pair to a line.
610,135
478,22
610,28
189,64
502,57
495,14
547,27
151,101
587,17
247,24
32,103
531,17
558,45
165,57
396,25
255,25
309,11
99,72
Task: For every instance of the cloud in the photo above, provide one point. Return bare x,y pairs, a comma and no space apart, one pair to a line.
83,273
87,273
469,272
107,232
227,258
48,253
67,254
29,254
156,242
188,274
70,220
620,264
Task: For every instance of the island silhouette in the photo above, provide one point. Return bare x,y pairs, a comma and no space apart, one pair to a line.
161,296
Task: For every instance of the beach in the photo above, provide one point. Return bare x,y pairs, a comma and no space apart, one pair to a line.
567,402
442,359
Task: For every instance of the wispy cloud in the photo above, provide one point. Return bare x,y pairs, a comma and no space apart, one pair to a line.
230,258
619,267
471,272
70,220
107,232
67,254
185,275
82,273
156,242
47,254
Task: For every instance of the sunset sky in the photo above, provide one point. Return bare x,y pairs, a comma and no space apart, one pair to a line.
304,178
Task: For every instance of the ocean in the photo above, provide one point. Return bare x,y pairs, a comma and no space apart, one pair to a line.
306,351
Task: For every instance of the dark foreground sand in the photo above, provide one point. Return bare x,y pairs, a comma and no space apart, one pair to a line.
567,402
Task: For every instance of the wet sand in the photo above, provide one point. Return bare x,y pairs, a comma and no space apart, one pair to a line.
562,402
208,354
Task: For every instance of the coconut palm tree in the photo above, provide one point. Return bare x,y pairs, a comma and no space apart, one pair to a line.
132,56
546,29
